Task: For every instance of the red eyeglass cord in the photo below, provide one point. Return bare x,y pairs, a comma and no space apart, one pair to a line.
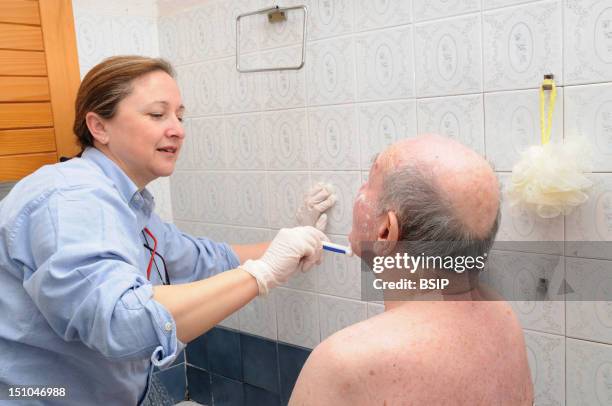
152,252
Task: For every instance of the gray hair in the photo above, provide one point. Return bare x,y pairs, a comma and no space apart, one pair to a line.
427,220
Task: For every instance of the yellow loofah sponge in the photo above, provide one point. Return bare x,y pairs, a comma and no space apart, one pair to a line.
551,179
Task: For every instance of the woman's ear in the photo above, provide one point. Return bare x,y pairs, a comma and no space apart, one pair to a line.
96,127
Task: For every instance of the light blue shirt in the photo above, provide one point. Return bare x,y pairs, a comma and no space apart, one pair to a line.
76,308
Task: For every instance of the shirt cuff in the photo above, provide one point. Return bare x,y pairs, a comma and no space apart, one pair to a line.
165,328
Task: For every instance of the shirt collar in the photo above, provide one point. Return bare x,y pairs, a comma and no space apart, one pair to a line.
140,199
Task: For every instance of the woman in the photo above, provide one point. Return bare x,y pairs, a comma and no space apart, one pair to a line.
85,264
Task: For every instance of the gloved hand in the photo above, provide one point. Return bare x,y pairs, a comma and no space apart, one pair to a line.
317,200
291,249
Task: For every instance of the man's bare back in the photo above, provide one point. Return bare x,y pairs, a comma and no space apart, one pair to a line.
422,353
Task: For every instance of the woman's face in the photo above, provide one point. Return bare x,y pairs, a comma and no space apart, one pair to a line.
146,134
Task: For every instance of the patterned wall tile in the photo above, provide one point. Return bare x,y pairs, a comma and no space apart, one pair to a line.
288,189
382,124
589,307
546,356
232,321
185,51
336,313
518,277
589,373
330,72
207,143
283,88
245,142
225,27
182,186
345,185
592,221
587,41
200,32
206,84
93,33
340,275
135,36
287,140
512,124
248,235
210,196
430,9
384,13
232,210
489,4
259,317
522,44
329,18
460,118
333,135
589,114
298,317
385,65
282,33
252,197
448,57
160,189
243,90
169,38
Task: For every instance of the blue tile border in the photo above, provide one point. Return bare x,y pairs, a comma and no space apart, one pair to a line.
260,362
197,352
224,355
254,396
291,359
226,391
229,368
198,384
175,381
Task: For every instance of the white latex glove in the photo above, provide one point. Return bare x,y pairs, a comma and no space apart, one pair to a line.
292,249
317,200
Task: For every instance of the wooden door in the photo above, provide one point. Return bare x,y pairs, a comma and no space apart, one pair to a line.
39,78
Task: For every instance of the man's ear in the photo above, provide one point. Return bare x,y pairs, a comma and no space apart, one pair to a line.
97,127
388,231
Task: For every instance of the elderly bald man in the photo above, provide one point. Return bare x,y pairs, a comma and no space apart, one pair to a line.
459,349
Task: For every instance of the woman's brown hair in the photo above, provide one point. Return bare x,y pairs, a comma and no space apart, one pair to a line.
106,84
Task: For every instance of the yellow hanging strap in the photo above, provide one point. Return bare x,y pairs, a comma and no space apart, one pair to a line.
546,119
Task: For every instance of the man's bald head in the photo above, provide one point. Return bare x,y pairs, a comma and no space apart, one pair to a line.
462,178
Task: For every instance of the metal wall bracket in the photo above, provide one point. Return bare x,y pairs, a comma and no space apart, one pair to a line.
275,14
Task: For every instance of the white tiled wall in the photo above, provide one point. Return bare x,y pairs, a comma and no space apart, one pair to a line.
378,71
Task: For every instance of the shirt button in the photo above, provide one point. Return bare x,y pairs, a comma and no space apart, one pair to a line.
168,326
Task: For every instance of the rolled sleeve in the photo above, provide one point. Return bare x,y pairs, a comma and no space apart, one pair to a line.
161,326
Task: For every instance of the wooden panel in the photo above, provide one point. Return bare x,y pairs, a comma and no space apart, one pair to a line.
23,89
22,37
63,69
19,11
25,115
22,63
15,167
27,141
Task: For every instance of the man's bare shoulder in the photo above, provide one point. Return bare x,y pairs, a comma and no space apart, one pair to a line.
339,367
